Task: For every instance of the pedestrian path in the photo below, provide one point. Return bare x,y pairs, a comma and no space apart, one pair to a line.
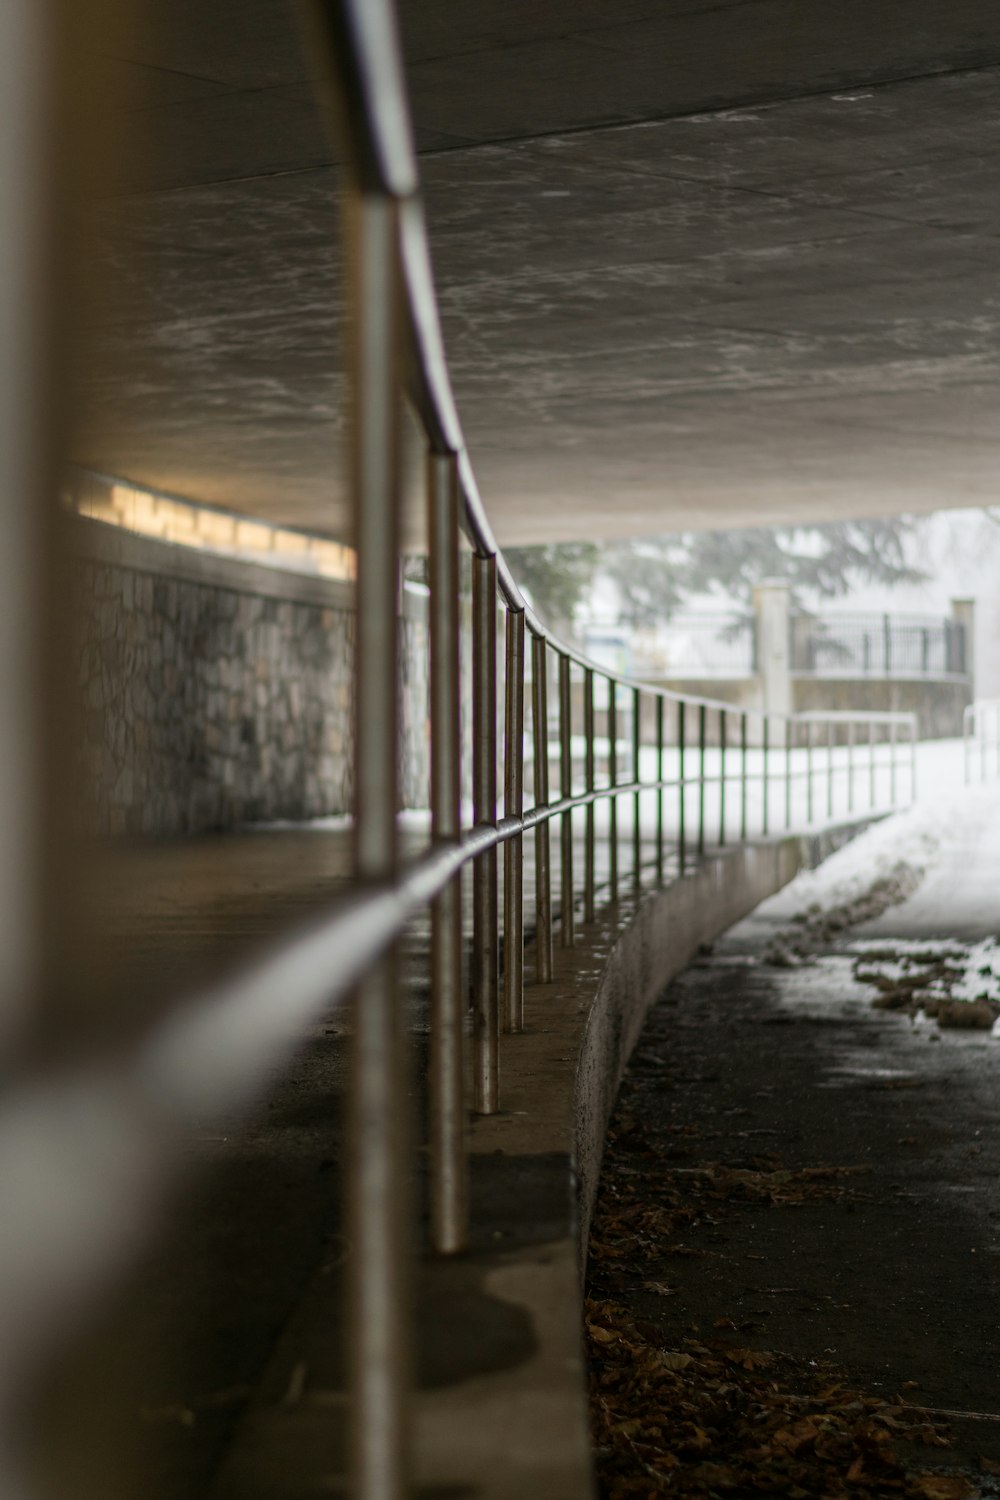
800,1194
262,1218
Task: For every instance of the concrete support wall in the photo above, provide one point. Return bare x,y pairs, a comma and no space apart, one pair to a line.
535,1169
217,692
963,613
772,609
937,702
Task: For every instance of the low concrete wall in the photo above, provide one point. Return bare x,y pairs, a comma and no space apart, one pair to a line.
500,1412
523,1429
937,702
216,692
665,934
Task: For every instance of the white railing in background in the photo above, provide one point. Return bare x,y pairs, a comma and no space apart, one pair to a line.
981,739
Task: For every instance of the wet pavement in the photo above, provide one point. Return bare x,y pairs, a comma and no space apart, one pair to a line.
835,1167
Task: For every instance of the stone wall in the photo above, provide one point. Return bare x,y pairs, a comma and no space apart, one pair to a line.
216,692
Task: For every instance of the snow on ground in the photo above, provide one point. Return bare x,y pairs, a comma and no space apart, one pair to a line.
922,891
901,847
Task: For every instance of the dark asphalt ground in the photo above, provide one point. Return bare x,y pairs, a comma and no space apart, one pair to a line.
896,1280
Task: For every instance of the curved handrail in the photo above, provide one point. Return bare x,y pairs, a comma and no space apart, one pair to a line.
372,53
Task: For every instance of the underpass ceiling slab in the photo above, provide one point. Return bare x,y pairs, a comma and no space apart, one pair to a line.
786,308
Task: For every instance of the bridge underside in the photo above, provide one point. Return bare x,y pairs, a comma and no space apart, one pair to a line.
699,266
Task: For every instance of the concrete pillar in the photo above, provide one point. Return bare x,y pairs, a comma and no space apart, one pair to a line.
772,612
963,612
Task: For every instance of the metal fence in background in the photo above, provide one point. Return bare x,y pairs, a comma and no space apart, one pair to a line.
886,645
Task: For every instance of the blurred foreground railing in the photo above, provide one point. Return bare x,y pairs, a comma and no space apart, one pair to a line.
981,739
647,783
730,774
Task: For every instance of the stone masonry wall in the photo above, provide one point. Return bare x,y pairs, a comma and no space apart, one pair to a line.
216,693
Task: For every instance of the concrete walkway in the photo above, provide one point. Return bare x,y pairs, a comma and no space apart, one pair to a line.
168,1381
257,1237
959,896
757,1070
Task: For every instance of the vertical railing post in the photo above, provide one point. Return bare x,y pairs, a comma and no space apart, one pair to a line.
887,644
378,1178
51,179
637,776
566,914
967,724
829,769
764,748
850,766
590,775
513,806
810,737
681,787
449,1171
612,782
982,744
659,790
722,776
543,870
913,760
702,721
743,775
892,763
789,734
485,966
872,789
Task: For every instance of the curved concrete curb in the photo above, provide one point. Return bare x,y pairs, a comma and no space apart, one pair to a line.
501,1412
665,933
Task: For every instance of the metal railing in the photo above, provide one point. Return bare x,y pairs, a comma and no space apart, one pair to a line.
981,739
756,777
669,777
884,645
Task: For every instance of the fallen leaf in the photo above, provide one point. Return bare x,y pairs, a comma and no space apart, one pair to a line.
943,1487
671,1360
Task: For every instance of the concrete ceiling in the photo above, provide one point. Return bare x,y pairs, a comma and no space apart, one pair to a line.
699,264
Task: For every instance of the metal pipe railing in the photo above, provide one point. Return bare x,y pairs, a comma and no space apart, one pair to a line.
377,1213
389,250
566,923
513,863
396,350
540,731
485,970
590,783
981,739
449,1175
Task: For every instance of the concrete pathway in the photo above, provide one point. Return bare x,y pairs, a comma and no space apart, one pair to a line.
959,897
167,1381
758,1061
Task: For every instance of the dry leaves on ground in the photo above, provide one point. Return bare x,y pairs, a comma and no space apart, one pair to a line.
706,1416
